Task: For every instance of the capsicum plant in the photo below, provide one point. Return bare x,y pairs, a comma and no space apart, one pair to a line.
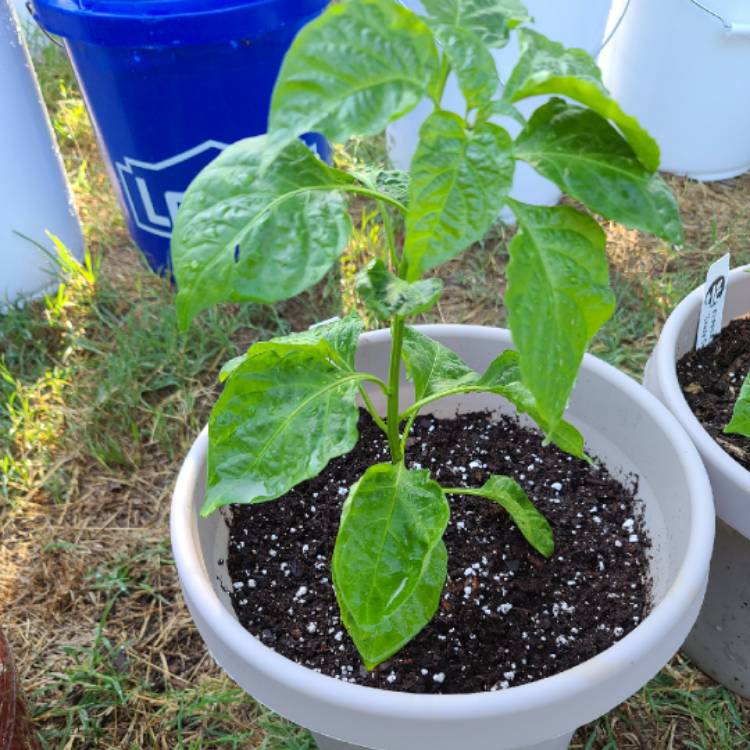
267,219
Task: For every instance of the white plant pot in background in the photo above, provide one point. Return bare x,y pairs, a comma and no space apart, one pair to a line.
575,23
633,434
720,641
684,75
34,194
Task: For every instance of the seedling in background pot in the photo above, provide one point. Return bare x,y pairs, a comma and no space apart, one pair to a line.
266,220
740,422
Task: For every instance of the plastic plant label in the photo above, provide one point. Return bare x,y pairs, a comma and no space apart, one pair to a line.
712,309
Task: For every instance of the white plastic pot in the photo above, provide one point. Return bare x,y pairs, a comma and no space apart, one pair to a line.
575,23
681,70
625,426
720,641
34,194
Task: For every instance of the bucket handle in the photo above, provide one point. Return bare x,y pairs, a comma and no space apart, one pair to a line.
731,28
41,28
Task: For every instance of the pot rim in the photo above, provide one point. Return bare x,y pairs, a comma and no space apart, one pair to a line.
688,584
665,372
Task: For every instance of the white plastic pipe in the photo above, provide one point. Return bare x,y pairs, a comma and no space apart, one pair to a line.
34,194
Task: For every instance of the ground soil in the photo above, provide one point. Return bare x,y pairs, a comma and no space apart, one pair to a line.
711,379
508,616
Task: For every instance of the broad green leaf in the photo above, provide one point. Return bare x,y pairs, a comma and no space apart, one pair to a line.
359,66
391,182
379,642
391,524
558,297
432,367
546,67
387,295
336,340
284,414
507,493
340,336
243,237
230,366
490,20
436,369
460,179
501,108
740,422
503,377
472,62
587,158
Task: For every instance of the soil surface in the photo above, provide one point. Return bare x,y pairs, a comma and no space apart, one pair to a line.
508,616
711,379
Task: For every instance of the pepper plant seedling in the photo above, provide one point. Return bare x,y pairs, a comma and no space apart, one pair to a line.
267,219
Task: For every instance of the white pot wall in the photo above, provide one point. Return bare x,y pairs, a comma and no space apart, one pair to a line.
719,643
625,426
730,481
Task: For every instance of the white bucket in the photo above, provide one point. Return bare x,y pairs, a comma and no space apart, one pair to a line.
575,23
34,194
683,72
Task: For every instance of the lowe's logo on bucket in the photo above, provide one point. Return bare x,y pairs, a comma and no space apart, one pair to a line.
154,190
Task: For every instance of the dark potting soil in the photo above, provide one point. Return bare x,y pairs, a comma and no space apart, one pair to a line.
508,616
711,379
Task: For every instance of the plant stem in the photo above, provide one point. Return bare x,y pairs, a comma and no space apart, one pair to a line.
373,411
407,430
394,436
390,238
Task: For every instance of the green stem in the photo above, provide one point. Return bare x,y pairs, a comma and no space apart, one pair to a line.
394,436
407,430
373,411
462,491
390,237
416,407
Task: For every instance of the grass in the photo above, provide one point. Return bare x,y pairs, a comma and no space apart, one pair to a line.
99,400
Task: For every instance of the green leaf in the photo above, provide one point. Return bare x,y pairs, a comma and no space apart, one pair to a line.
490,20
391,182
472,62
507,493
432,367
340,336
460,179
336,340
437,370
387,295
503,377
558,297
587,158
501,108
392,522
546,67
243,237
359,66
230,366
378,643
284,414
740,422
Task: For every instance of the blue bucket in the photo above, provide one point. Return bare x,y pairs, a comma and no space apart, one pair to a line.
168,85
